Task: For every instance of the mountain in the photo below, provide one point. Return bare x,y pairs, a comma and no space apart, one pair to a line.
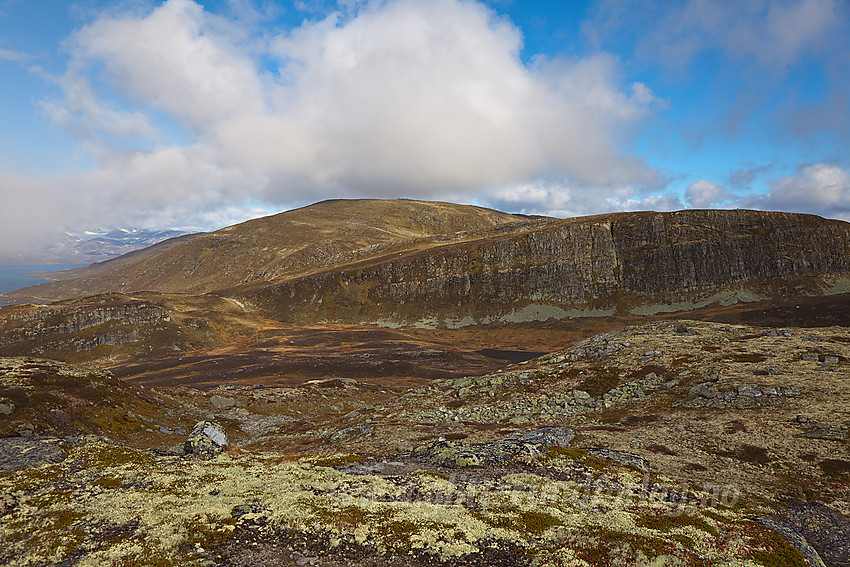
404,383
89,246
285,245
415,263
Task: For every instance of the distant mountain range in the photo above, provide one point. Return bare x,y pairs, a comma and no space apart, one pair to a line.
94,245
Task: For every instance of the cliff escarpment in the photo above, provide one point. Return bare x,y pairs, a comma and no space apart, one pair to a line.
402,263
638,262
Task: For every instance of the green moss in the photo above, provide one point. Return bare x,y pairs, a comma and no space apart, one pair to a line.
57,533
102,456
686,542
525,522
51,499
536,522
108,483
396,535
153,555
339,460
206,531
432,474
341,517
598,545
35,478
666,522
601,544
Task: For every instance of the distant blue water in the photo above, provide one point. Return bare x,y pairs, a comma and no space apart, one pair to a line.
17,277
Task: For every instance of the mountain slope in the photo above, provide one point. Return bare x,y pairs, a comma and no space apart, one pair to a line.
443,265
283,245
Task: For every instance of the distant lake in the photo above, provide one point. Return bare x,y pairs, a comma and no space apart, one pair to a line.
17,277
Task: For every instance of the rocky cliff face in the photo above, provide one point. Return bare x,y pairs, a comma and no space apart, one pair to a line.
641,262
437,264
125,325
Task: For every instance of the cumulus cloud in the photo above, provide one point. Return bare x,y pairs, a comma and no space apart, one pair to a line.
821,188
702,194
185,112
563,200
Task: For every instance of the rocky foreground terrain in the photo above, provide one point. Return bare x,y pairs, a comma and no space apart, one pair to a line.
402,383
667,443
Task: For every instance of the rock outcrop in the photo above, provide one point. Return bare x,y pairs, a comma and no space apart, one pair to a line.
638,262
206,440
522,444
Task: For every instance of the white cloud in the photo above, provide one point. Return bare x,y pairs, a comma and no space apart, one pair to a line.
562,200
13,55
702,194
775,33
396,98
822,189
177,58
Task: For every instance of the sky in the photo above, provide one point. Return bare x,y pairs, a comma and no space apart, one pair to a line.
195,114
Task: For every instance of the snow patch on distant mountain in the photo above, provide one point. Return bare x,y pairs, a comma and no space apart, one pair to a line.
96,245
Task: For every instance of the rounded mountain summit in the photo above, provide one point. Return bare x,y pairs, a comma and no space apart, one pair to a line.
434,264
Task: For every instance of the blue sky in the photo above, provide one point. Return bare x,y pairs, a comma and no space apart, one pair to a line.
197,114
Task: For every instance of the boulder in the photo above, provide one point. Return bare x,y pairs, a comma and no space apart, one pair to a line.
206,440
7,408
704,390
353,432
222,403
23,452
621,457
7,504
547,437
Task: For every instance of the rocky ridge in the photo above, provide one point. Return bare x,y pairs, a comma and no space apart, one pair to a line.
437,265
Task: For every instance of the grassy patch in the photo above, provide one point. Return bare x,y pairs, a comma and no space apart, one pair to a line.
108,483
107,456
339,460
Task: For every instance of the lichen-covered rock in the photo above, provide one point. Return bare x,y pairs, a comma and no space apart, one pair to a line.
823,528
621,457
222,403
7,504
364,430
460,455
795,539
815,430
206,440
7,408
704,389
547,437
22,452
